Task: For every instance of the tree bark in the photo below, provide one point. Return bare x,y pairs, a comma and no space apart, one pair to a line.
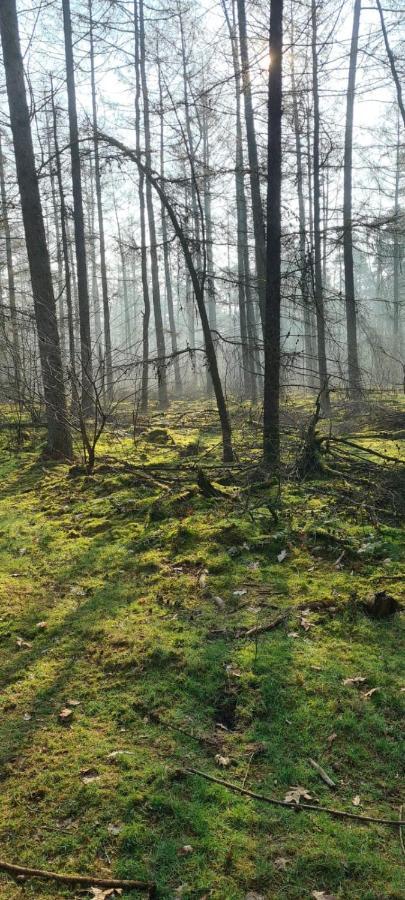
257,207
87,388
100,216
142,219
157,306
10,276
271,402
318,285
350,300
392,63
59,443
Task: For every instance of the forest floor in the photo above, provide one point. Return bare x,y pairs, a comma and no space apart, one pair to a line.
125,597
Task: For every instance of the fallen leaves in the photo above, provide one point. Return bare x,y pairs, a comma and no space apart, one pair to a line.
223,761
370,693
105,894
282,556
22,644
89,775
65,715
357,679
296,794
281,863
356,800
185,850
332,737
322,895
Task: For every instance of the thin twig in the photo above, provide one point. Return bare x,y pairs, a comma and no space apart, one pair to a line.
337,813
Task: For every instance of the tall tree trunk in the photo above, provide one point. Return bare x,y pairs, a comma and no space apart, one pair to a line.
142,219
318,285
392,63
271,403
257,207
310,353
211,304
59,261
59,441
100,216
350,300
397,253
65,245
87,388
166,253
10,276
92,255
157,307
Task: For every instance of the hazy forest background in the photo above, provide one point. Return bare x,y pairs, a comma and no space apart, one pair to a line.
202,421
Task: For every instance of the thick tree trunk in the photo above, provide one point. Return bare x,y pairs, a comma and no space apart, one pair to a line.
100,216
142,220
257,207
350,300
157,306
59,442
87,388
392,63
271,403
318,285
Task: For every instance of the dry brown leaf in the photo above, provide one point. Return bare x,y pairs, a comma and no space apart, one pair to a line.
322,895
369,693
292,634
41,625
281,556
186,850
223,761
296,794
105,893
356,800
22,644
253,895
65,714
74,702
305,623
332,737
358,679
114,829
281,863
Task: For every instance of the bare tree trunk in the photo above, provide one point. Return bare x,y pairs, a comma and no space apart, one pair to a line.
91,242
392,63
100,216
59,441
65,244
271,403
10,276
80,243
142,217
59,262
211,304
257,207
350,300
397,253
157,307
318,285
166,253
310,354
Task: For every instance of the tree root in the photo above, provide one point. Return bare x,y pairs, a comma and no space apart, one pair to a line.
84,880
336,813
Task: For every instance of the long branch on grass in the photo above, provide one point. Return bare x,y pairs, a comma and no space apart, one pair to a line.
84,880
337,813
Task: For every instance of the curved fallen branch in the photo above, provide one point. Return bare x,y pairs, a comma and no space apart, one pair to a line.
84,880
337,813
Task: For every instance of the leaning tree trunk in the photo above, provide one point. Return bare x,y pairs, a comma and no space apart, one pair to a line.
198,288
318,284
100,216
142,222
350,300
392,63
257,208
87,387
59,443
157,306
271,402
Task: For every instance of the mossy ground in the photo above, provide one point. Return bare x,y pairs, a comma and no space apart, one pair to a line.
122,573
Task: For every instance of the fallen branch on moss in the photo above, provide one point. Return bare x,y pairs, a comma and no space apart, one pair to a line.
84,880
337,813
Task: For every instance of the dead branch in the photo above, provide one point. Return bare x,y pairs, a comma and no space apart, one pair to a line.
84,880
